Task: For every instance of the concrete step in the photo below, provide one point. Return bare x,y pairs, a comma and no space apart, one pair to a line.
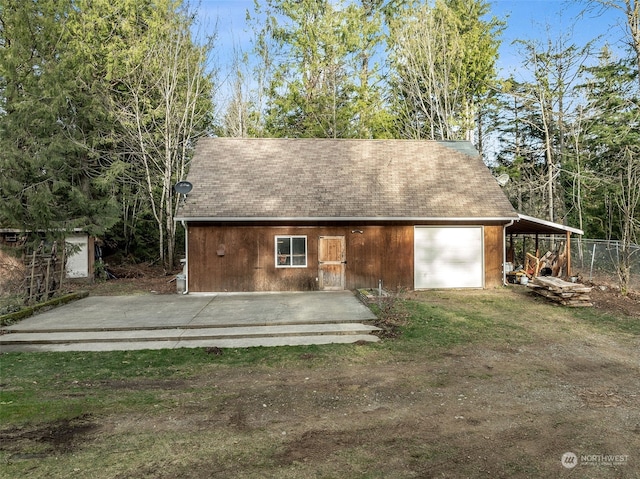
211,343
219,324
159,338
177,334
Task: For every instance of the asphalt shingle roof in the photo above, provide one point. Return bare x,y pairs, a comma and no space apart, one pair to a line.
325,178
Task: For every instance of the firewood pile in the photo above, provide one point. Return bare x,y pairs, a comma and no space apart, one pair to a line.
561,292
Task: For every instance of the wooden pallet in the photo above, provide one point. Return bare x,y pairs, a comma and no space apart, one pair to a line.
561,292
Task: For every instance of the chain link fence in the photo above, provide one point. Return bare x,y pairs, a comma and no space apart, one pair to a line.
598,261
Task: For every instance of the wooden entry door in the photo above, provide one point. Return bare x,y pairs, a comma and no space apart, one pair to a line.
331,263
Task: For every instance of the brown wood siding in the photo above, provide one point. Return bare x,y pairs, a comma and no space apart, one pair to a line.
493,256
241,258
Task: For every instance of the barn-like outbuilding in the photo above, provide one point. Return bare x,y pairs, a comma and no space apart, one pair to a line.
332,214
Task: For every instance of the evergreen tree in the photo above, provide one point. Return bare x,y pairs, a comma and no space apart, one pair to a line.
52,122
443,65
321,81
102,101
611,134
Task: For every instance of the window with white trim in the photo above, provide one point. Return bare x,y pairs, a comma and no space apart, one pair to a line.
291,251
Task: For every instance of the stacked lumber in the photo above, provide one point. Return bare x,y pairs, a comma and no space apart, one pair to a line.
562,292
556,262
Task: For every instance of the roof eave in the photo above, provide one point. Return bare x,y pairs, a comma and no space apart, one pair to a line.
232,219
553,226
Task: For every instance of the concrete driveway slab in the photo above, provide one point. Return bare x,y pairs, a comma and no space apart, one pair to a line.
225,320
101,313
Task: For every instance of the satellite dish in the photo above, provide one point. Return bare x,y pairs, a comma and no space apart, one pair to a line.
183,187
502,179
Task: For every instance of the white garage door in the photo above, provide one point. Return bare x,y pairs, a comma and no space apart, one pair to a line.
448,257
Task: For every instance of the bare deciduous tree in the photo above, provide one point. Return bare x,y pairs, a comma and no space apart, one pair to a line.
163,106
628,203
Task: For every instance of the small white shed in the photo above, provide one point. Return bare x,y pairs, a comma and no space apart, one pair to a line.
80,263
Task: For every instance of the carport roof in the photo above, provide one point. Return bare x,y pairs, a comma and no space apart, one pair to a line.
530,225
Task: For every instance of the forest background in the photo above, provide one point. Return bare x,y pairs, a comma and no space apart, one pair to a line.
102,103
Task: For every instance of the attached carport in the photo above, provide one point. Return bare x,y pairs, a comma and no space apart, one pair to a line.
528,226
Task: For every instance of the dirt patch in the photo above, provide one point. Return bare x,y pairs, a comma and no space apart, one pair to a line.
12,274
137,384
60,437
478,412
608,298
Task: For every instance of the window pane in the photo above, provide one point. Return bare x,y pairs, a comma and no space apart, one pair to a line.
284,245
299,260
299,246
